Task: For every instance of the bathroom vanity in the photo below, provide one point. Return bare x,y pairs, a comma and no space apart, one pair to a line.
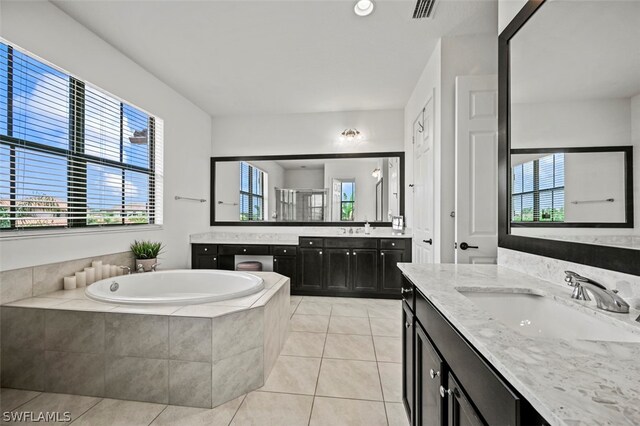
469,359
362,266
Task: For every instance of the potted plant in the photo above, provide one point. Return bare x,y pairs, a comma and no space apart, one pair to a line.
146,253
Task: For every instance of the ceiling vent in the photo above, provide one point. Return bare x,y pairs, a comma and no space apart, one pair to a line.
423,9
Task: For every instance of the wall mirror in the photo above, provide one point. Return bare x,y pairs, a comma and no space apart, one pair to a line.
316,190
570,131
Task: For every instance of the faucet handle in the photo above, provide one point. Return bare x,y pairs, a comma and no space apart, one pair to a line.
572,278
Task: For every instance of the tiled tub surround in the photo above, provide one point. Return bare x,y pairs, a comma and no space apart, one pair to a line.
569,382
38,280
552,270
196,355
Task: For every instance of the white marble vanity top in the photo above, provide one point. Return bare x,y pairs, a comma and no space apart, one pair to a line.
569,382
288,237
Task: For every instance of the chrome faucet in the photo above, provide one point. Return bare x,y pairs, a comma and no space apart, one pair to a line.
154,266
139,268
606,299
127,268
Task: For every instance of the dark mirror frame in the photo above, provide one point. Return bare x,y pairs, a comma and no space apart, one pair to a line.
612,258
628,187
214,160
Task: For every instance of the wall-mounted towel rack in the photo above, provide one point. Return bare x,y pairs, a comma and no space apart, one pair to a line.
202,200
227,204
606,200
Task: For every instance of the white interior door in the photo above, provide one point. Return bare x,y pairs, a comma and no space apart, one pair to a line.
423,184
476,169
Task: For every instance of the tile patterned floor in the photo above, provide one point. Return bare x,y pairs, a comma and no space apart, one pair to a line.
341,366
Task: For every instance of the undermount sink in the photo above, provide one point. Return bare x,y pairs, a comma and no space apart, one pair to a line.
534,315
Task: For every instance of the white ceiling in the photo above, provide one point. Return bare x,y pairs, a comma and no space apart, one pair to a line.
577,50
240,57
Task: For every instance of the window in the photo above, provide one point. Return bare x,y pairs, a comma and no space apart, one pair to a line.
538,190
70,154
251,192
348,189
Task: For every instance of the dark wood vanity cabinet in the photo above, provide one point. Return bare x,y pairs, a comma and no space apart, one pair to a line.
323,266
310,269
446,381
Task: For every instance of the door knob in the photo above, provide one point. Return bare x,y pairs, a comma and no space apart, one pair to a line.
433,374
407,325
429,241
444,392
464,246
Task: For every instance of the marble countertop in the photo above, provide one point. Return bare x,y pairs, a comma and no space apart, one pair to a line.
285,238
569,382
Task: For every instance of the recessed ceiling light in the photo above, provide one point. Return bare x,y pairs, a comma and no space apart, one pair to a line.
363,7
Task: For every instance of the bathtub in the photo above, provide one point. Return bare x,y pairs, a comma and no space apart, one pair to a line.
179,287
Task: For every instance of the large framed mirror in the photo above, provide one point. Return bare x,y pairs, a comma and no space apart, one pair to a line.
569,118
308,190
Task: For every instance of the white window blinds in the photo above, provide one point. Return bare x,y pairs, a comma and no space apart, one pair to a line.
70,154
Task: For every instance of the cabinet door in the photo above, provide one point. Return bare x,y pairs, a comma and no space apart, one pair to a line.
390,274
460,410
365,269
285,265
429,409
407,360
311,268
205,261
337,269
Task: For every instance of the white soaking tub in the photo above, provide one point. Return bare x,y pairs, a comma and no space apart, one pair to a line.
177,287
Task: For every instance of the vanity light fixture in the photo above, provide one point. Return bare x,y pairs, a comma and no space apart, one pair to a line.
350,135
363,7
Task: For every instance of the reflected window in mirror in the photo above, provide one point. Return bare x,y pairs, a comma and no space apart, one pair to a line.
538,190
348,199
252,182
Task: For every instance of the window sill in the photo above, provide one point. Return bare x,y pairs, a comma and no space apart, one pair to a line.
68,232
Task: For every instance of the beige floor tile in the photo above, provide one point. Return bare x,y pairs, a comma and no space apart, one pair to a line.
113,412
388,349
351,412
304,344
273,409
349,325
13,398
310,323
296,299
384,327
349,346
388,312
180,416
323,299
60,403
349,379
391,378
396,414
349,310
293,375
313,308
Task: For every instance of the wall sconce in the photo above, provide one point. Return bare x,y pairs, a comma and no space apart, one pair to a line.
350,135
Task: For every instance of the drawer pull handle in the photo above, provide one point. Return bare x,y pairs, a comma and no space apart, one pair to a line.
444,392
285,251
310,243
348,253
206,249
381,254
406,291
244,250
320,252
215,258
393,244
407,324
275,260
433,374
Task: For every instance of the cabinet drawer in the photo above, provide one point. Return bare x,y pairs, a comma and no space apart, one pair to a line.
243,249
346,242
204,248
493,398
392,243
284,250
311,242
